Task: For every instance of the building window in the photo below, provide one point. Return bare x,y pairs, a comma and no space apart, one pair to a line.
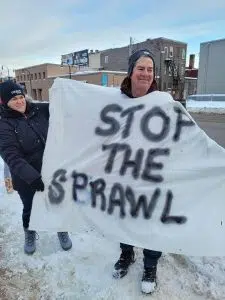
21,78
24,77
32,77
39,96
43,75
166,52
35,76
183,54
106,59
34,94
39,75
171,51
175,72
182,71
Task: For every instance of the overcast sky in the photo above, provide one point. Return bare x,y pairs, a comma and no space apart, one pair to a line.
34,32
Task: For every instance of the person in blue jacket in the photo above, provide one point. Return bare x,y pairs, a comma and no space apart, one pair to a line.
23,134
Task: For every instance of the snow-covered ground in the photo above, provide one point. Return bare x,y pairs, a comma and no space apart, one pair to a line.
85,271
206,106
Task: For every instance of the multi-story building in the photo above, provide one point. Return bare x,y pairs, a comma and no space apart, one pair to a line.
169,56
40,87
211,76
191,77
35,78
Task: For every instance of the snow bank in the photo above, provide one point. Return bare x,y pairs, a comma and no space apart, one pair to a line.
205,106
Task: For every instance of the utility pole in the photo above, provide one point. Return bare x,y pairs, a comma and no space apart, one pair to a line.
161,69
69,70
130,46
7,70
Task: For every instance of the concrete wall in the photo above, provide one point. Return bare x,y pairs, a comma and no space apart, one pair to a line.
94,60
211,76
53,70
115,80
115,59
94,78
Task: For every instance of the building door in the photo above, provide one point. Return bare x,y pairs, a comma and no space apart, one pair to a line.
104,79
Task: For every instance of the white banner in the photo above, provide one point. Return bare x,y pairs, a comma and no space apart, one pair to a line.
139,170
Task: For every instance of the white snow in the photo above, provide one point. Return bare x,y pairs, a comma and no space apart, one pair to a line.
85,272
205,106
148,287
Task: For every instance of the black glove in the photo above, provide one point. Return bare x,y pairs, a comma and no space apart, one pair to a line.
38,185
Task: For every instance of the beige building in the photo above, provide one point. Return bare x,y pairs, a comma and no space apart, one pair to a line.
104,78
36,78
39,79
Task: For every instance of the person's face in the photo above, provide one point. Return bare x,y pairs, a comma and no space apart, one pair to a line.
142,75
18,103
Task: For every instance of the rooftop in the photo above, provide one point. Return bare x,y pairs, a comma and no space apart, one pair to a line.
155,39
38,66
214,41
89,72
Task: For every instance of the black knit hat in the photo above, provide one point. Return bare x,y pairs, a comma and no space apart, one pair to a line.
8,90
135,57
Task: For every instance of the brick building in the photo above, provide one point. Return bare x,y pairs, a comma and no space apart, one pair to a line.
36,78
169,56
191,78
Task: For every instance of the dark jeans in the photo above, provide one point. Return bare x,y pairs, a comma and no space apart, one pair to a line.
27,199
150,257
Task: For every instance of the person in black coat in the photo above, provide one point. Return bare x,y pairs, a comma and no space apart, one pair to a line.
140,81
23,134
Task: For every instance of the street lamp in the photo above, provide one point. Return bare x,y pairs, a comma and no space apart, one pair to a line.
29,74
69,70
160,72
7,70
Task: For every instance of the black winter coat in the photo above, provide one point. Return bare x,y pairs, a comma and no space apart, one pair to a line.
22,142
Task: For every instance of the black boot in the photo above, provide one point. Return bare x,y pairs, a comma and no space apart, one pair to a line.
122,265
148,283
65,240
30,241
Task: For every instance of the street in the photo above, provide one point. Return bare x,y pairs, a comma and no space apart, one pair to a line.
213,125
